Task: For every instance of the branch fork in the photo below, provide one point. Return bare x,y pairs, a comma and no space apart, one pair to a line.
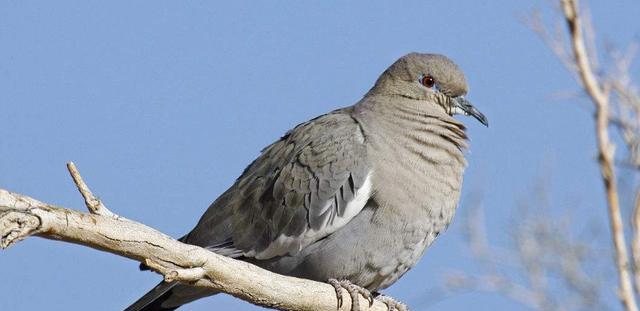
93,204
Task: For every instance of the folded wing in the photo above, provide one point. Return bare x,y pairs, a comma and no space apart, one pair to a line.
305,186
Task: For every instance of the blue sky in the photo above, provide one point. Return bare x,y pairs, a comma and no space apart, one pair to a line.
162,104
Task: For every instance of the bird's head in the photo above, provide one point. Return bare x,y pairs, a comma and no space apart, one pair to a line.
431,78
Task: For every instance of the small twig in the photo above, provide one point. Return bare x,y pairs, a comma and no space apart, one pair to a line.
94,205
553,269
186,275
554,41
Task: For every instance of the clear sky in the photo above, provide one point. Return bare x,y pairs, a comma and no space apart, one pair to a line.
162,104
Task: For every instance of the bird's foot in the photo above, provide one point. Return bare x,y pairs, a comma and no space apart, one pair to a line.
392,304
353,291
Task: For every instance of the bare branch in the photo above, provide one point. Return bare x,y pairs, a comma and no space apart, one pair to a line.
22,216
565,279
555,42
600,98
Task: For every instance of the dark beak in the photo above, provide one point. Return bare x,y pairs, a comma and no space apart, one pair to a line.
461,105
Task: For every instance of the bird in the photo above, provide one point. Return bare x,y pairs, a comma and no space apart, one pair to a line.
352,197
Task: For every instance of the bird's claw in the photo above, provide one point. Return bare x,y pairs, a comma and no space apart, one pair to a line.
353,291
392,304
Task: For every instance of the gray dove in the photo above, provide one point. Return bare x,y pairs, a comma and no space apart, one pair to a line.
352,197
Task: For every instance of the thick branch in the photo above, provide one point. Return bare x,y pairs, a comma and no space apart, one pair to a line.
600,99
22,216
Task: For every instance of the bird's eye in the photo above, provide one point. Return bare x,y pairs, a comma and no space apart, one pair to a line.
427,81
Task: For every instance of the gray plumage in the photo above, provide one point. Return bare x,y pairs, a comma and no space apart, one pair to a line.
356,194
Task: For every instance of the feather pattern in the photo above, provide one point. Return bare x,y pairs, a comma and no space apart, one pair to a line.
303,187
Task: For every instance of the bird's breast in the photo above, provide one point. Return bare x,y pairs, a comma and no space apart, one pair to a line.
421,175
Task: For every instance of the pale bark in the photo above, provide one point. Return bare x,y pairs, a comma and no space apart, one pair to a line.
22,216
600,98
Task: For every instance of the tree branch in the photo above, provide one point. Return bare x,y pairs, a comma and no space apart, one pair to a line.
599,96
635,241
93,204
22,216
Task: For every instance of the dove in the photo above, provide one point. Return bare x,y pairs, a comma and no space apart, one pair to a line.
353,197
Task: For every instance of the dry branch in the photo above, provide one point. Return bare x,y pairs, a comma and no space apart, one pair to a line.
554,269
22,216
600,98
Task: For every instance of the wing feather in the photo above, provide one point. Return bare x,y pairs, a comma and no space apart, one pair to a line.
299,190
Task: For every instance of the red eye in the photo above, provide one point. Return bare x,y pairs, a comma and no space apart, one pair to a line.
427,81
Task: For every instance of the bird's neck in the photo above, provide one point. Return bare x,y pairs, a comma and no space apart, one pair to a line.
402,123
417,156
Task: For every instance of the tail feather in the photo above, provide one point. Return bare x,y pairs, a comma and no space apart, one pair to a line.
154,299
169,296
